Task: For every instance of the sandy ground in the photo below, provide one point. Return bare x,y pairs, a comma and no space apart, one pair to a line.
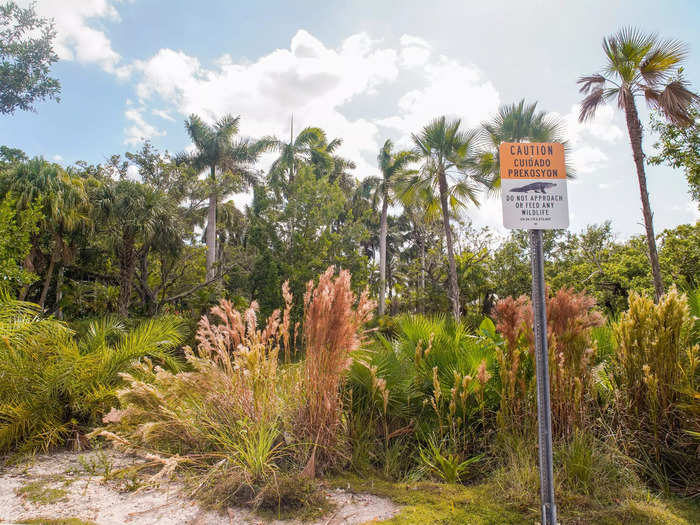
89,497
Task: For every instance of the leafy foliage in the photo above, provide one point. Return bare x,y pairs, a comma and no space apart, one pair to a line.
26,56
54,386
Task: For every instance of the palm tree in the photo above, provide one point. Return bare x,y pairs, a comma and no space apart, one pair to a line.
518,122
217,152
63,200
394,168
133,213
293,154
447,155
641,65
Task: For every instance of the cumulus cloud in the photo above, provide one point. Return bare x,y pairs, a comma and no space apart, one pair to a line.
414,51
76,38
139,130
309,80
452,89
585,138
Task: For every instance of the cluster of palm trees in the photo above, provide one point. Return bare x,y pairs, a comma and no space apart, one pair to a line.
448,166
447,169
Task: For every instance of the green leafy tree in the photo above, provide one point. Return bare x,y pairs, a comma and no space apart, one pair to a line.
26,56
447,156
63,207
679,147
16,230
641,65
230,166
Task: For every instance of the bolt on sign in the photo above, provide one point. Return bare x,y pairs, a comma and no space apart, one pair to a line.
533,186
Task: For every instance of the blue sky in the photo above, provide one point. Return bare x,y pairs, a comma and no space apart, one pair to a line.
362,70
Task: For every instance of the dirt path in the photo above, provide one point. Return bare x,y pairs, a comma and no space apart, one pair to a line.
72,485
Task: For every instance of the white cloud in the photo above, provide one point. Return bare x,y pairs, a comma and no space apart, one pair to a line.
587,159
414,51
452,89
163,114
76,39
139,130
602,127
57,158
308,79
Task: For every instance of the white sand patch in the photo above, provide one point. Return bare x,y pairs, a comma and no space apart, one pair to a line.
89,497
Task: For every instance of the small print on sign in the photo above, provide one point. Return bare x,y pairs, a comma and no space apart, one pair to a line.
533,186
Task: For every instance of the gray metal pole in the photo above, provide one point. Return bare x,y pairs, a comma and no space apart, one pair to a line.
544,409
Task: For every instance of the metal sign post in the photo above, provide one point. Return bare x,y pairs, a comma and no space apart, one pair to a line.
534,197
544,408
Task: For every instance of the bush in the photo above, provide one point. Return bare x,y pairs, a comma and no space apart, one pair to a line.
241,425
656,374
431,381
54,385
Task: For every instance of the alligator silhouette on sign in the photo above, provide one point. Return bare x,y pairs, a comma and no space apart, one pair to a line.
538,187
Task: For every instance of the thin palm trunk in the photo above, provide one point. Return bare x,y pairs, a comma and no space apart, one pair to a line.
211,230
634,127
382,255
421,302
453,288
47,281
59,291
127,267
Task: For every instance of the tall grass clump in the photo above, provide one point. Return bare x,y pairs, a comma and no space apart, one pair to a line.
222,418
333,322
242,427
571,316
656,375
54,385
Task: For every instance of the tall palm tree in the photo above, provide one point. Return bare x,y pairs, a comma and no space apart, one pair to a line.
63,200
517,122
394,168
636,65
447,155
230,166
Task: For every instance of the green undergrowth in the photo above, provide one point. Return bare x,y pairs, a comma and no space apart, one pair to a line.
481,504
41,491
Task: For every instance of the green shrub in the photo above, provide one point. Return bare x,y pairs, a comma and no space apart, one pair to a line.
54,385
432,377
656,376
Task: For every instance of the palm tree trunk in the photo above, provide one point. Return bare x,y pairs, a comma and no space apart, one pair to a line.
453,288
211,230
127,266
59,291
421,305
382,255
47,282
634,127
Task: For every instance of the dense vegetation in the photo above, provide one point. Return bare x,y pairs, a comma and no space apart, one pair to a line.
237,345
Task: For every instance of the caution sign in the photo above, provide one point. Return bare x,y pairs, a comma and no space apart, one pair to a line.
533,186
